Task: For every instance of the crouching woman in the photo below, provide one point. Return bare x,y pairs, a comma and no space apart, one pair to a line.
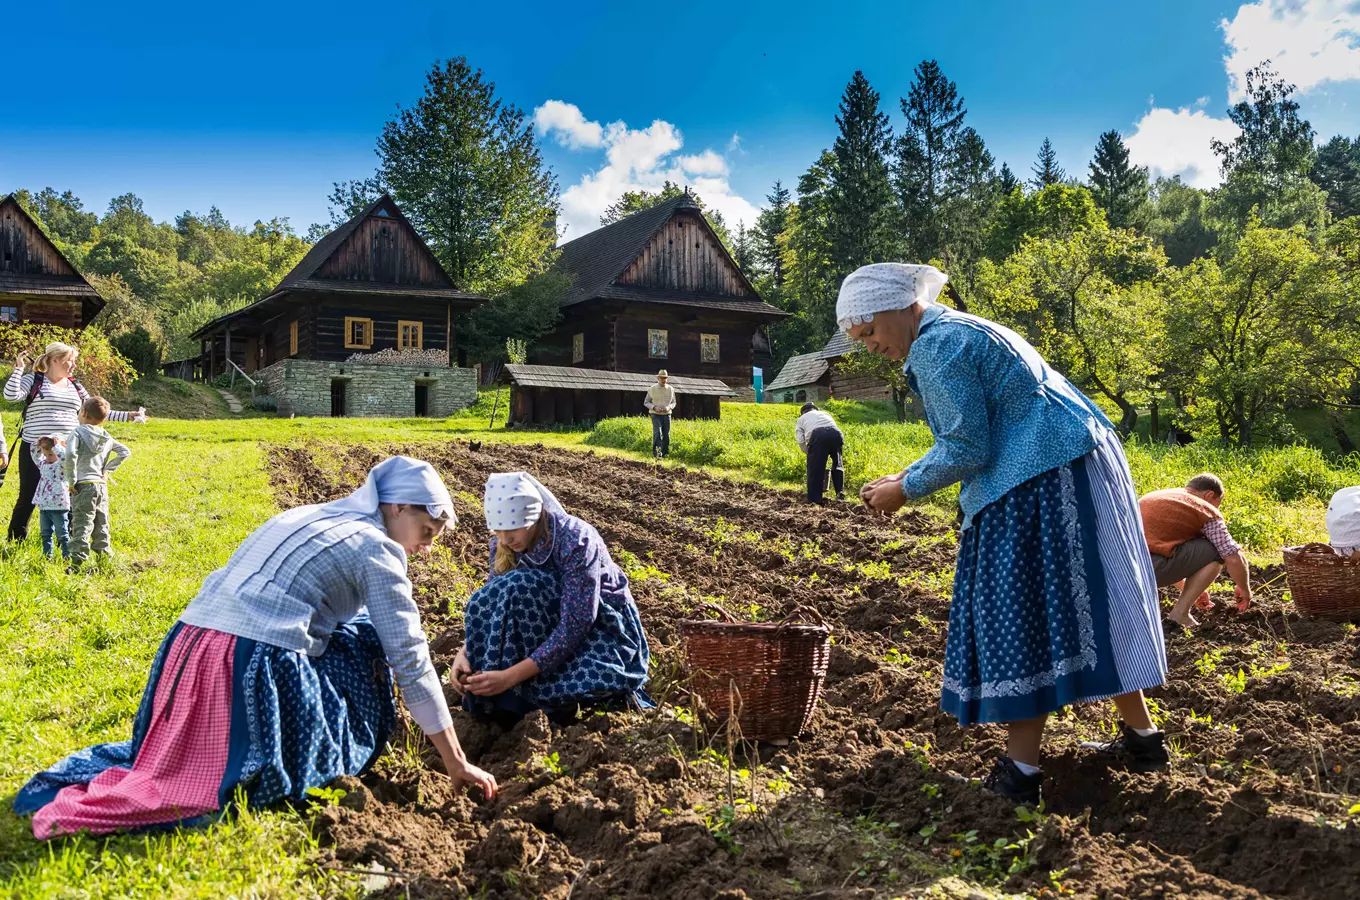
276,677
555,627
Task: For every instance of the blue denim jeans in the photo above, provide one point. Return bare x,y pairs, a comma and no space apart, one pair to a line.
54,525
661,435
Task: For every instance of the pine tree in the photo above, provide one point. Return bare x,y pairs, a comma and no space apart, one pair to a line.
1338,173
1046,169
1121,189
1006,182
861,195
770,227
927,157
466,169
744,251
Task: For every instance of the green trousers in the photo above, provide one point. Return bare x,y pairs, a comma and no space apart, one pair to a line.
89,521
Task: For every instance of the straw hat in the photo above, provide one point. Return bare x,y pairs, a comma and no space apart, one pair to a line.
663,374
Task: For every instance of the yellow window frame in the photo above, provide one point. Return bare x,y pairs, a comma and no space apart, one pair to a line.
404,327
350,343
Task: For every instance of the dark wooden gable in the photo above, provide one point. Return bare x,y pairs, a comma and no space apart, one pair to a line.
35,273
383,247
686,255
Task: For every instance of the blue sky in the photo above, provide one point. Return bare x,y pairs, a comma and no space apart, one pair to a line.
258,109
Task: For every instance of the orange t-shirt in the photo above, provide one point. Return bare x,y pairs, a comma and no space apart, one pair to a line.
1173,516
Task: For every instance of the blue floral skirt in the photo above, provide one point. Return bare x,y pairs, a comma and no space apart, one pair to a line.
1055,601
511,616
274,721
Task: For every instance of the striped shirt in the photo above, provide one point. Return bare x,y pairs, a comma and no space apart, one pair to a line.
55,409
307,570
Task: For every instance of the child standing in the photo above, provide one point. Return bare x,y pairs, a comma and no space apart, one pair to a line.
91,454
51,497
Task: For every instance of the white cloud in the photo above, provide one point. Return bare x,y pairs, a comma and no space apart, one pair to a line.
636,160
1176,142
734,144
1308,41
566,121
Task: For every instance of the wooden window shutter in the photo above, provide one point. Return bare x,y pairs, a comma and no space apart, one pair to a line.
578,347
410,335
292,338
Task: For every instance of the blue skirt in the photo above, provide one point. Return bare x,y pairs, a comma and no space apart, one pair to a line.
295,723
511,616
1055,601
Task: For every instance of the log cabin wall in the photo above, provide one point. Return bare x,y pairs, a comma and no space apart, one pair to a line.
735,353
564,406
381,250
45,310
683,256
851,387
330,318
597,330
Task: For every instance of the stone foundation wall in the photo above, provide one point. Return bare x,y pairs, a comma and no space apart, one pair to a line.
370,389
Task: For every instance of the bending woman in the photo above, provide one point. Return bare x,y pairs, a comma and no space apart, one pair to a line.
53,400
275,678
555,627
1055,601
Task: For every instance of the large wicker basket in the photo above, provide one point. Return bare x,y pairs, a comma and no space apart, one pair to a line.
769,675
1323,582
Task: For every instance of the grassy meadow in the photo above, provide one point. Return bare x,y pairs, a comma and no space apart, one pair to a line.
77,648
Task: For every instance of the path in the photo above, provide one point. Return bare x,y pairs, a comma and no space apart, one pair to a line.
233,403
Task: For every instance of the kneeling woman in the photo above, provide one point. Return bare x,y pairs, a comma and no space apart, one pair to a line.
555,627
276,676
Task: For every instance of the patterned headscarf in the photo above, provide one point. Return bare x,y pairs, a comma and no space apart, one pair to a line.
516,500
883,286
401,479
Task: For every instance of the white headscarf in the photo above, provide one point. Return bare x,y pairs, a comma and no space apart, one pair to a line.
883,286
401,479
1343,519
516,500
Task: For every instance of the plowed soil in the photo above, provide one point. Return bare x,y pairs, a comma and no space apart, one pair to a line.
1257,803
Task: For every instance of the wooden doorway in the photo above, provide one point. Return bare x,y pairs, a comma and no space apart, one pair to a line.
422,401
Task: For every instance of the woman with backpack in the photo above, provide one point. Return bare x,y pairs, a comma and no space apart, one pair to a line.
52,400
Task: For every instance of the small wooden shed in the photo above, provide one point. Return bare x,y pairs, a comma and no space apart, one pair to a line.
558,395
814,376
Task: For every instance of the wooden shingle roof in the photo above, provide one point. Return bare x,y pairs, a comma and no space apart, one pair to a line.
596,259
808,367
603,380
22,272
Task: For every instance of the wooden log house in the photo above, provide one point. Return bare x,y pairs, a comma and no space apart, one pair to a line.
655,290
370,285
38,284
815,376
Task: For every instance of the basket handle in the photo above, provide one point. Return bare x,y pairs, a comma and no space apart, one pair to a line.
800,611
1317,548
713,607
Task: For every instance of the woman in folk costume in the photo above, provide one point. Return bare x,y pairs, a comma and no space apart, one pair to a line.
1055,601
276,677
555,627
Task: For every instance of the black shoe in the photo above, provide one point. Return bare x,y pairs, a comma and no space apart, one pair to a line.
840,495
1138,753
1006,780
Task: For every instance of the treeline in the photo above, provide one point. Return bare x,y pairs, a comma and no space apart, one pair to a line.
1221,308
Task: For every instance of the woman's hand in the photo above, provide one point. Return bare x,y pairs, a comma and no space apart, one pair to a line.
461,670
21,360
140,417
491,682
884,494
464,774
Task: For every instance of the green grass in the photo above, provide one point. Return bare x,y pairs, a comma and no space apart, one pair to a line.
77,650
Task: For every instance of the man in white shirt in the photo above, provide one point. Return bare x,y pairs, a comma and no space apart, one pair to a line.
820,438
660,402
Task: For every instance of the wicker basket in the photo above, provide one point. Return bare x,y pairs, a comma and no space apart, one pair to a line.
1323,582
770,674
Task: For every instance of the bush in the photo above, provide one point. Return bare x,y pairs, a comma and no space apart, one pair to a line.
140,350
101,368
180,387
266,403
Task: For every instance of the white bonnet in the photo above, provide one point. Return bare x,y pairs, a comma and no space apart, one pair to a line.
880,287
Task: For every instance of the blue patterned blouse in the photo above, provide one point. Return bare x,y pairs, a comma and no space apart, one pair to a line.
575,550
1000,415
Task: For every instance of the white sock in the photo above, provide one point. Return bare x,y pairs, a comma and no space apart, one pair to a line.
1146,732
1026,768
